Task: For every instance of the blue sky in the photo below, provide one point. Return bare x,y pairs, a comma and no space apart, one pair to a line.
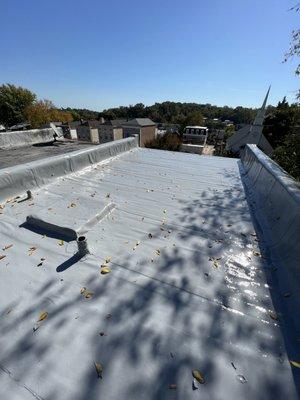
98,54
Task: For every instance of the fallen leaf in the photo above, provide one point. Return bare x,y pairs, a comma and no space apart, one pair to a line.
256,253
107,260
198,376
82,290
99,369
2,256
216,264
88,295
31,250
72,205
105,270
61,243
157,252
7,246
295,364
43,315
273,315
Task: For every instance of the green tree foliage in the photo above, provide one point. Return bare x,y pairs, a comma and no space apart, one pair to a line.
81,113
13,102
281,128
288,155
280,122
180,113
170,141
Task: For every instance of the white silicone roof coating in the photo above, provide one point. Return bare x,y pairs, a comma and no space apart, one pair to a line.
190,287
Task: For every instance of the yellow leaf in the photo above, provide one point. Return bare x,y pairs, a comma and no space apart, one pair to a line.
295,364
99,369
108,259
43,315
88,295
31,250
8,246
82,290
105,270
61,243
72,205
198,376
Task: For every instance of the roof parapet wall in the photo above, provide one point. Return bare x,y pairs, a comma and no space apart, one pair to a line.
276,198
20,178
26,138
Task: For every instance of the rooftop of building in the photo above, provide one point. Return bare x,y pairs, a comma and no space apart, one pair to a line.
139,122
20,155
190,287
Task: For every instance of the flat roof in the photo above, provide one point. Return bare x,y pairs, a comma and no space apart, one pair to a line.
20,155
190,287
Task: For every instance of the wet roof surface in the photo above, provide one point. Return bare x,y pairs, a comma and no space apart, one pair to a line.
188,288
20,155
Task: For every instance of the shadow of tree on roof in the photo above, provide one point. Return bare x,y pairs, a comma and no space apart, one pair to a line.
166,314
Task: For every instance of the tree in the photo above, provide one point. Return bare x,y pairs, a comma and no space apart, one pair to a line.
288,155
44,111
13,102
281,122
194,118
170,141
294,50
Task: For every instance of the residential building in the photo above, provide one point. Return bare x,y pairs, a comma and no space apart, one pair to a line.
195,134
145,128
111,130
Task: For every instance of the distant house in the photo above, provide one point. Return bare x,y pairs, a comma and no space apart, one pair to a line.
143,127
86,131
195,134
111,130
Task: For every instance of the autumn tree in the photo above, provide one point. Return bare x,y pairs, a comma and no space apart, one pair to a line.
44,111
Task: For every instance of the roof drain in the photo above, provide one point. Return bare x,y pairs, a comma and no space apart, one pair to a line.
82,246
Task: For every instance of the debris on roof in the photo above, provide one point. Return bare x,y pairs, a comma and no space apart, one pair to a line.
181,311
